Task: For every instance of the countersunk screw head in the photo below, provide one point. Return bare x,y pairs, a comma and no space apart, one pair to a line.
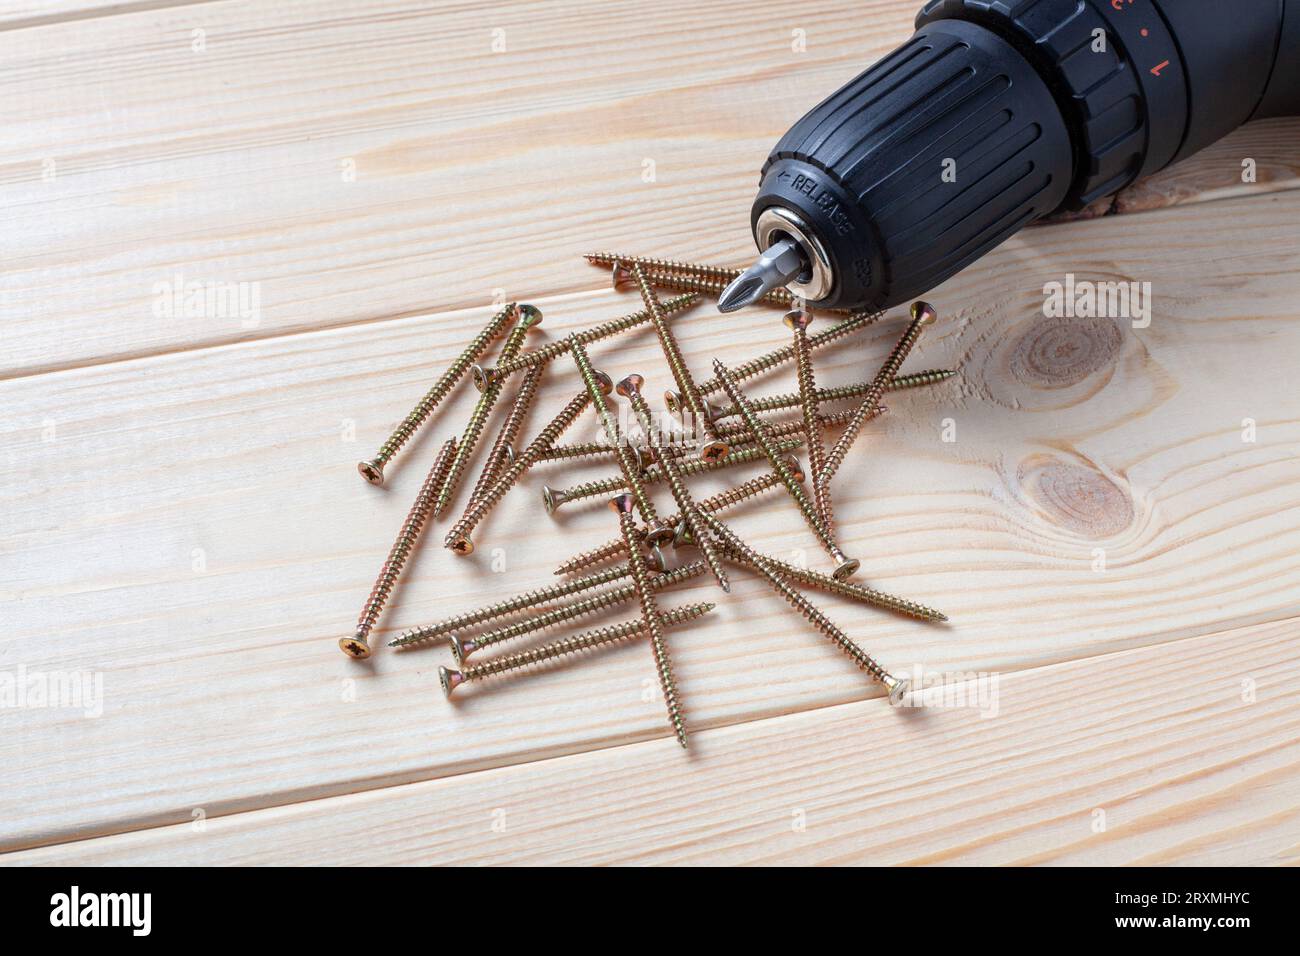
622,504
673,401
800,318
923,313
460,649
795,467
714,451
450,680
657,560
899,690
846,569
682,535
461,546
355,647
372,471
552,498
659,532
630,385
604,381
483,377
529,315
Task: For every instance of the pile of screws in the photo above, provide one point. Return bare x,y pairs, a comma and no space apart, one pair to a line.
710,438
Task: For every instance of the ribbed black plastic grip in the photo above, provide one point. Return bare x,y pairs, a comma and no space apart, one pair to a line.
922,163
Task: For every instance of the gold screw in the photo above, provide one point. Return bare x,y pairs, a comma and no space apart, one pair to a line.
778,357
848,589
520,602
622,505
715,449
458,538
798,321
616,547
630,388
845,566
922,315
609,634
552,350
631,468
772,403
529,316
704,285
358,645
897,687
503,446
611,597
610,259
554,497
373,470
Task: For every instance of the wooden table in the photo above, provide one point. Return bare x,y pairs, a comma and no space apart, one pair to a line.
1114,527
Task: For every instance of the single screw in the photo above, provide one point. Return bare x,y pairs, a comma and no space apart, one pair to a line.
458,539
798,321
583,607
715,449
922,315
539,597
849,589
772,403
778,357
845,566
627,462
552,350
622,506
617,547
896,687
502,449
373,470
630,388
358,645
600,449
609,634
529,317
555,497
668,266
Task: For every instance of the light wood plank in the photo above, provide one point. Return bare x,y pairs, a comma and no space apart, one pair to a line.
191,527
1181,753
131,158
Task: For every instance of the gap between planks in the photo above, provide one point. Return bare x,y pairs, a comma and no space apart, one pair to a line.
537,787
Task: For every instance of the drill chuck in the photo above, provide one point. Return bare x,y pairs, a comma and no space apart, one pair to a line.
998,112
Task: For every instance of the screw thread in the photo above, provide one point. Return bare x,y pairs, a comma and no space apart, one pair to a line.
654,625
781,356
812,428
607,259
858,592
434,396
552,350
458,539
758,428
611,597
772,403
627,464
654,474
520,602
724,499
404,544
505,439
676,363
609,634
800,603
837,454
478,419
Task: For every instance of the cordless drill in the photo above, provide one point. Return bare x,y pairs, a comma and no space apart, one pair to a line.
997,112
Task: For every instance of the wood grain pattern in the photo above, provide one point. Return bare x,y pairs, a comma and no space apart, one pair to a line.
1181,753
339,158
195,528
182,515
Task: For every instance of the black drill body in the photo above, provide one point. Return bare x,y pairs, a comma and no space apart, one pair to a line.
997,112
